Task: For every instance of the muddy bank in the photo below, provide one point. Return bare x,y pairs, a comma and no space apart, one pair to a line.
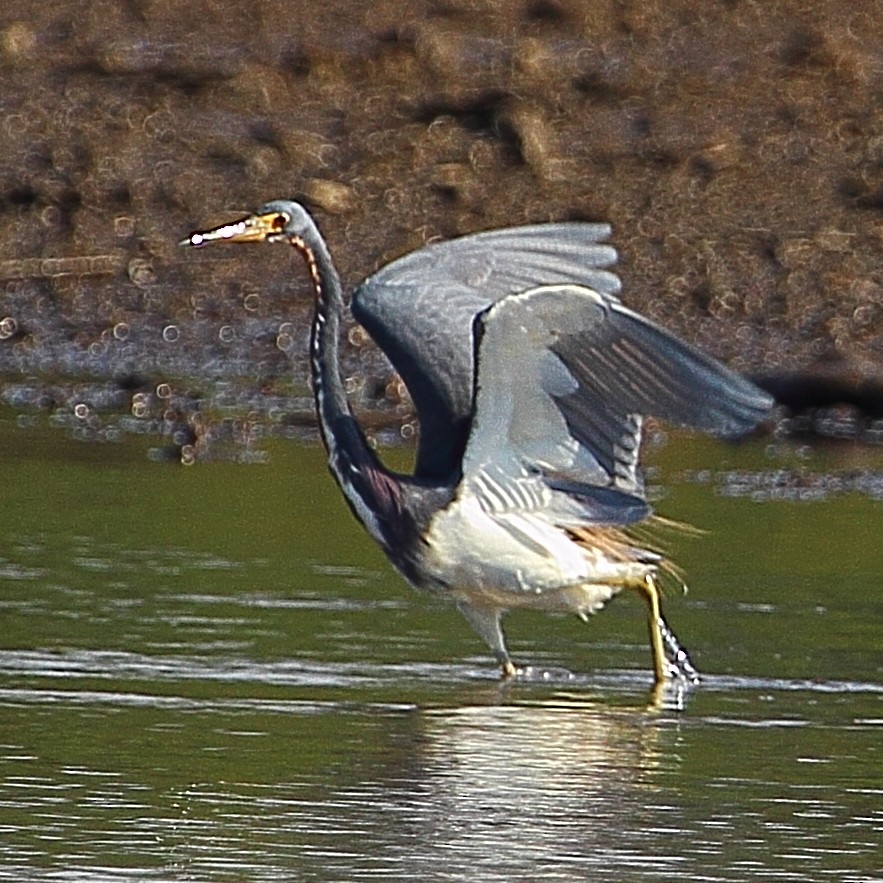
737,149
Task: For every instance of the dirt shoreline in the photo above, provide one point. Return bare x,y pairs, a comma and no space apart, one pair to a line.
736,148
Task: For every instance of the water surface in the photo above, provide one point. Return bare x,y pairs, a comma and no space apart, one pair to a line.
210,673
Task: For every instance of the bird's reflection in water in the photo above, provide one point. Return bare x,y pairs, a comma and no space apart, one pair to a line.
565,790
491,787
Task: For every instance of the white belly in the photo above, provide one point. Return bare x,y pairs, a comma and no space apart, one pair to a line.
518,559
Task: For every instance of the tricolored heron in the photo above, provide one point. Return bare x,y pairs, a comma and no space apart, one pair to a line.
531,380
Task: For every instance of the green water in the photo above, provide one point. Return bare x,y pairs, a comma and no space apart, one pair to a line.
209,673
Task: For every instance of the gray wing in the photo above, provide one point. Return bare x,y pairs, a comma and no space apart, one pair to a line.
420,309
564,376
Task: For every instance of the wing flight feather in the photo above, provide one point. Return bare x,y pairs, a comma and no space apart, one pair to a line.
564,376
420,310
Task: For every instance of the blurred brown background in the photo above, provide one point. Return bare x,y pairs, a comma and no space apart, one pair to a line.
736,147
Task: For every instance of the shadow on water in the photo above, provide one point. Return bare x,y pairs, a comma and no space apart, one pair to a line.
209,674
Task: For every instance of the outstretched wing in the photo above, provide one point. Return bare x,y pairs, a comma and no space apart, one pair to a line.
564,376
420,309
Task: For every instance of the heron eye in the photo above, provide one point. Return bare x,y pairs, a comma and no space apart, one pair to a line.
279,221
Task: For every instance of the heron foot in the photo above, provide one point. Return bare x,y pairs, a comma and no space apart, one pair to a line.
670,695
509,670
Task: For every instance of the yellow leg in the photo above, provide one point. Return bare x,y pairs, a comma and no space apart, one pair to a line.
661,668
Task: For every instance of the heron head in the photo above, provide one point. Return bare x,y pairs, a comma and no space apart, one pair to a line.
277,221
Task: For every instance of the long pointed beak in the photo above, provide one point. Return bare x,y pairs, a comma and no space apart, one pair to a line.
254,228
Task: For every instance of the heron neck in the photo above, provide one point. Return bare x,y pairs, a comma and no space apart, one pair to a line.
373,493
329,389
